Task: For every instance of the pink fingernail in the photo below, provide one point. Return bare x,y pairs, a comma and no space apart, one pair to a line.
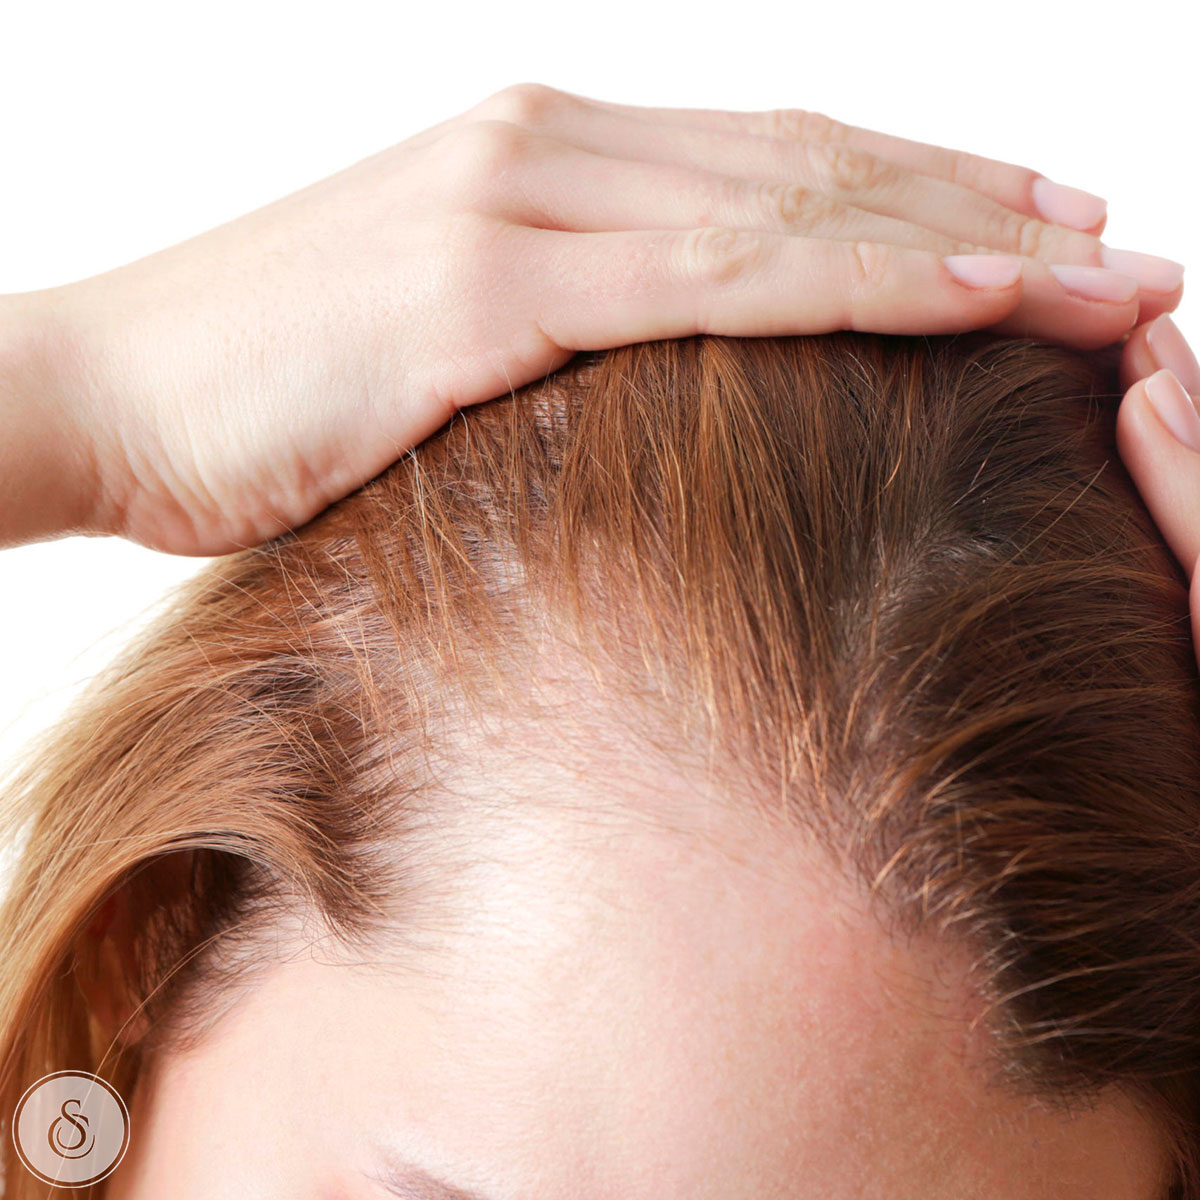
1095,283
1174,407
1062,205
984,270
1170,349
1153,273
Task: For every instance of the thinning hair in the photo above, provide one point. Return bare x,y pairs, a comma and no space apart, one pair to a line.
901,589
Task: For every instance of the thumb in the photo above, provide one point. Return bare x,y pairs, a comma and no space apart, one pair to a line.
1194,606
1158,438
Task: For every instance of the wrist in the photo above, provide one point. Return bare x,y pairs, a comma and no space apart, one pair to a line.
49,476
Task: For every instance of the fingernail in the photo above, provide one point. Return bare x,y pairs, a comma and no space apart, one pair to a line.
1095,283
1170,349
1153,273
1064,205
984,270
1174,407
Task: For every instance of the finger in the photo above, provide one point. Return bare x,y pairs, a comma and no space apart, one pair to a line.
850,175
703,178
643,285
1084,307
566,188
1158,438
1137,359
571,189
1156,304
853,178
1015,187
1157,344
1194,606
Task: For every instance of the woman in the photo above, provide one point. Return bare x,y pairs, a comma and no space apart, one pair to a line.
732,794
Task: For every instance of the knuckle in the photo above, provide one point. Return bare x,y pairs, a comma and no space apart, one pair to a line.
717,254
1025,235
870,263
475,154
957,165
843,169
1037,239
803,125
522,103
795,208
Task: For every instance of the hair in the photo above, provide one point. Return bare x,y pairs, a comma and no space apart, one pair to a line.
901,586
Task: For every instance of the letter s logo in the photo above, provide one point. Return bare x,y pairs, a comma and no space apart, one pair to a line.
74,1144
70,1128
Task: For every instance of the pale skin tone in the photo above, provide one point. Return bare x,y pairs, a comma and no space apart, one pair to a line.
211,395
629,1013
214,394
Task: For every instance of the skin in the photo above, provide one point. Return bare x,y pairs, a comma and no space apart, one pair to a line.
215,393
1165,470
211,395
626,1012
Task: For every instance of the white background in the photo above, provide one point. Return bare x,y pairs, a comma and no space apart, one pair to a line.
126,127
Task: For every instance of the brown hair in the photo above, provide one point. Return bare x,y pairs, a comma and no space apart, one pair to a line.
903,585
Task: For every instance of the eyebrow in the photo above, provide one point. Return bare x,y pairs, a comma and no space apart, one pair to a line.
410,1182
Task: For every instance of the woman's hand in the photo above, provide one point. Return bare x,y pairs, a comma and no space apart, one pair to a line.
1158,436
232,386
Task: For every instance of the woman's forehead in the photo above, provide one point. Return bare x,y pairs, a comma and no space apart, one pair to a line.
636,1015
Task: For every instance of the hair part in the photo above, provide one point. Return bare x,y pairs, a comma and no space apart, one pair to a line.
900,592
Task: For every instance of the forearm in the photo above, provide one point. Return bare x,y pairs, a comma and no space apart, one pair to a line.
47,469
